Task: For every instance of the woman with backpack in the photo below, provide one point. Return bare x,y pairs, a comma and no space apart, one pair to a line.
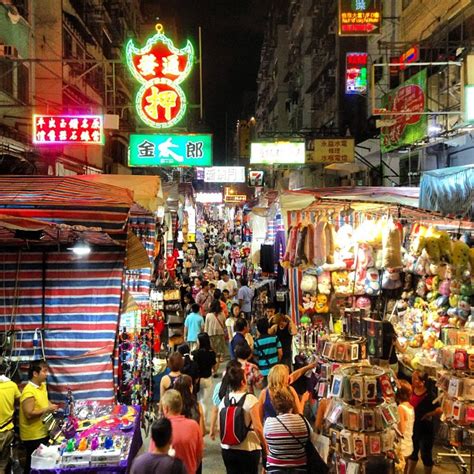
241,431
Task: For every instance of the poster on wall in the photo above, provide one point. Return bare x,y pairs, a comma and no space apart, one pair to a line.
409,103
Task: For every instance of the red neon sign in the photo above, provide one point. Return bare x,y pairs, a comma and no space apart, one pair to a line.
410,56
68,129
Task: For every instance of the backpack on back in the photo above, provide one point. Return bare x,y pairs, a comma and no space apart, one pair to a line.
233,429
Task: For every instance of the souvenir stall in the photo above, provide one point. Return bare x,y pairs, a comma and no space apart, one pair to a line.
360,255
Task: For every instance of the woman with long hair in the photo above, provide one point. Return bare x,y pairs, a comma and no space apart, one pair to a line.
192,409
214,325
278,379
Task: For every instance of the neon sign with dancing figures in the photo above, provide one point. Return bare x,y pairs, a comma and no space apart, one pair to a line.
160,67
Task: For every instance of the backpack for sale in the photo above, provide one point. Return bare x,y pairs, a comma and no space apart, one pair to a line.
233,429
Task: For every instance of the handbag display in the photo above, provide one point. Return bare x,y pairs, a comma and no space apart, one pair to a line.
171,295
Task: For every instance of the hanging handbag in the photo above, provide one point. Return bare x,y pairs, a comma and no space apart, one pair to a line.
314,462
170,295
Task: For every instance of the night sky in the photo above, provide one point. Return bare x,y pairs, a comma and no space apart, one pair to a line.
232,33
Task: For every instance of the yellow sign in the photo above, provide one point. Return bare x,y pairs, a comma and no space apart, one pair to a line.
330,150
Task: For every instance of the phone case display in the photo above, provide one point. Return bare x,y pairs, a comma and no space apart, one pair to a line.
456,385
97,436
135,368
361,417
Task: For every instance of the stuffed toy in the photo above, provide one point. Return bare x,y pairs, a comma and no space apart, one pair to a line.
418,239
300,258
391,279
422,266
309,283
372,283
432,245
363,303
322,304
340,282
365,257
444,243
421,288
379,259
324,283
391,245
357,282
308,305
309,244
461,253
290,253
444,288
324,243
408,282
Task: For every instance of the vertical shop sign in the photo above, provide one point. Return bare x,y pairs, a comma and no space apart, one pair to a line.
360,17
408,102
356,73
160,67
68,129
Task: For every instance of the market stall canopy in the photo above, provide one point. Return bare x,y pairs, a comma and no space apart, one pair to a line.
348,168
78,203
297,200
137,257
147,190
449,191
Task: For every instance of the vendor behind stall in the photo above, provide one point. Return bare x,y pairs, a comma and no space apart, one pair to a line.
34,404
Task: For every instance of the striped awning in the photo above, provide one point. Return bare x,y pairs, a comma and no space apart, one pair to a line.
66,200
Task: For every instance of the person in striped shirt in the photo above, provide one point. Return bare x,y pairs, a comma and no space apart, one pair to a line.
286,435
267,349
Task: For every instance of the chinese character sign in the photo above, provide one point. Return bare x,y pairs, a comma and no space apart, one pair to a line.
186,149
160,67
225,174
360,17
356,73
68,129
270,153
408,102
331,150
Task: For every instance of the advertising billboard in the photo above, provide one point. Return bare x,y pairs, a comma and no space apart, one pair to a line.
277,153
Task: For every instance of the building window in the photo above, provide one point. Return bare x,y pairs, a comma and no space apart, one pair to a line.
6,76
67,45
23,83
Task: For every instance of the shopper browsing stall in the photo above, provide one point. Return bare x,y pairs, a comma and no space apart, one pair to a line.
34,404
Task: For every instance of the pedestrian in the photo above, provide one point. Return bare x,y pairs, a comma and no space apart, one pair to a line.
34,404
243,457
241,328
187,438
190,366
259,303
406,414
158,461
175,364
192,409
253,376
226,283
284,329
188,302
9,395
422,400
193,325
286,435
196,287
225,298
214,326
245,297
204,298
218,296
278,378
206,360
267,349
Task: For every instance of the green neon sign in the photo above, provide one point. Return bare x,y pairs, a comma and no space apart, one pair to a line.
160,67
170,149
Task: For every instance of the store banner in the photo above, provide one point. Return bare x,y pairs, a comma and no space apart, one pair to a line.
185,149
224,174
330,150
408,101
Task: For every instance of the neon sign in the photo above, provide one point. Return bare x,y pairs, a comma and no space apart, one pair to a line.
160,67
359,17
410,56
356,73
68,129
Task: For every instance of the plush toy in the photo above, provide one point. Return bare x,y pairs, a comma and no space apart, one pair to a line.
391,279
461,254
444,288
422,266
308,304
357,282
444,243
421,288
309,283
365,257
372,283
418,239
363,303
379,259
432,245
305,320
322,304
340,282
391,244
324,283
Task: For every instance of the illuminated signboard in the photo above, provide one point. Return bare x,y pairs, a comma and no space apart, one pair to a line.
410,56
231,197
68,129
356,73
360,17
160,67
256,178
273,153
166,149
209,198
224,174
330,150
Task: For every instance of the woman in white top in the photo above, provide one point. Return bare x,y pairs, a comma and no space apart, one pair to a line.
244,457
407,419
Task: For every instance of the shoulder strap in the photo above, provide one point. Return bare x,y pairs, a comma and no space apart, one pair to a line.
291,434
242,400
6,424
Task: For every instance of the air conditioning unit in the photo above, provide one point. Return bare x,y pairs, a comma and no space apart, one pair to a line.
8,51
